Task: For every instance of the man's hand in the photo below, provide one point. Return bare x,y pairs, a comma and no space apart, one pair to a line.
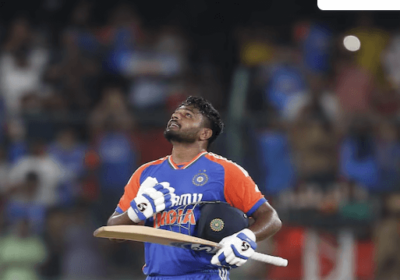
236,249
153,197
150,182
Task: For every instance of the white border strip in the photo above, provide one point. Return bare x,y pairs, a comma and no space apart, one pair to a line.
359,5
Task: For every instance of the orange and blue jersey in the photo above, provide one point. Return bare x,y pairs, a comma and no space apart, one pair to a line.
208,177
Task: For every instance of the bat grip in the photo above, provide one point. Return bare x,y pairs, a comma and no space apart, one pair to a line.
269,259
266,258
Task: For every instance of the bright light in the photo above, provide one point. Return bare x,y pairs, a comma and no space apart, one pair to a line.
351,43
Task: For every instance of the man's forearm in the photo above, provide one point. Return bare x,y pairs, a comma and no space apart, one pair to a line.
117,219
267,222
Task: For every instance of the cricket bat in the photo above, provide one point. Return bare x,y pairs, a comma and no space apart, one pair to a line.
170,238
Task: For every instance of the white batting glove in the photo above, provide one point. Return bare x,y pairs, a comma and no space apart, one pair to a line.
151,200
150,182
236,249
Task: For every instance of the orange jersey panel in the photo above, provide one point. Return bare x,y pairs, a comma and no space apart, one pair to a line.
239,188
132,187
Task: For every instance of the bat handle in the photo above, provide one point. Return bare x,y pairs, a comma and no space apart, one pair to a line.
269,259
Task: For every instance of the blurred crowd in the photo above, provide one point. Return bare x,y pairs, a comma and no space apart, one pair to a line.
326,126
83,104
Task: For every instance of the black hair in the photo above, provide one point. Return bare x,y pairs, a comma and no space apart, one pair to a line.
207,110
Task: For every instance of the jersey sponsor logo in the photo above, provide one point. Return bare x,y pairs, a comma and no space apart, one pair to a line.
187,198
200,179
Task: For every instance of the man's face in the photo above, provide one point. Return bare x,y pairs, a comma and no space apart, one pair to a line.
185,125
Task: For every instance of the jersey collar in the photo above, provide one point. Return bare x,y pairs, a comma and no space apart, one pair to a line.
185,164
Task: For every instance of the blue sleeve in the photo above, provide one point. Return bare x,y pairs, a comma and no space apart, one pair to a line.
256,206
119,210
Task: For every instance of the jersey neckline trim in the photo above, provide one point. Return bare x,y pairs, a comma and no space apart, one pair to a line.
185,165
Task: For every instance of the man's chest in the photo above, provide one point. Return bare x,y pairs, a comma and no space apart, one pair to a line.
193,184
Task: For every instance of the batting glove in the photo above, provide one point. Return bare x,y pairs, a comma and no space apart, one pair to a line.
150,182
151,200
236,249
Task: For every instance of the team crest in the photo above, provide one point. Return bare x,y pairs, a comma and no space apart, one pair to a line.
200,179
217,225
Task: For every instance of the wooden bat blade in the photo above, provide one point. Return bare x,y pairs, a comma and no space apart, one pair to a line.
152,235
170,238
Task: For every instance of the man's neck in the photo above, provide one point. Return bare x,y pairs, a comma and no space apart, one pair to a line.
185,152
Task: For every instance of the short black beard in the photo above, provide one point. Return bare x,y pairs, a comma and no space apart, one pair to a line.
172,136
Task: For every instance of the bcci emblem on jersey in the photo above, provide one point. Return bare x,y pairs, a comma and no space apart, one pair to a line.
200,179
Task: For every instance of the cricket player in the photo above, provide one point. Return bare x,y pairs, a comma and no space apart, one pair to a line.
156,192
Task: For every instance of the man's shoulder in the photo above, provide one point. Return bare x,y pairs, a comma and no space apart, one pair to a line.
226,163
216,157
144,168
152,163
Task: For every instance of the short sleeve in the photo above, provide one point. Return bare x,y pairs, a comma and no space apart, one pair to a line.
240,190
131,190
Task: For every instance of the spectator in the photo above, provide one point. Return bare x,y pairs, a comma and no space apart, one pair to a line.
22,204
76,75
388,154
317,92
314,139
315,41
80,28
285,81
278,170
50,172
21,66
122,37
80,257
148,92
21,253
112,105
353,86
118,159
358,158
112,125
54,234
124,29
70,154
